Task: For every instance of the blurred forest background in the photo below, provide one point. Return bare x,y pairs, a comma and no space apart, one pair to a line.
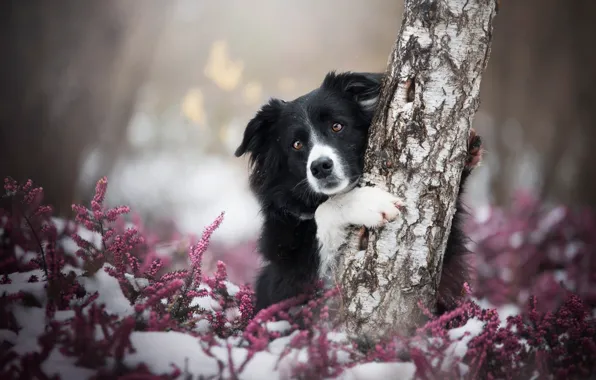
156,95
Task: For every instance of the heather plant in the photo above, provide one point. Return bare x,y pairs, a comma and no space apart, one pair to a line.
97,297
529,249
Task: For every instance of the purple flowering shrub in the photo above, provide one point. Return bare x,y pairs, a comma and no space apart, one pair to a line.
532,250
98,297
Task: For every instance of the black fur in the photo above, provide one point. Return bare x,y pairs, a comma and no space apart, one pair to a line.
288,240
455,267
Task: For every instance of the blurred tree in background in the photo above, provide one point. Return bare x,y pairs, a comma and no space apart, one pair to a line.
70,74
542,79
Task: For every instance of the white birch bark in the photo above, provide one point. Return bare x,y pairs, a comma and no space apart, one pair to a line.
416,151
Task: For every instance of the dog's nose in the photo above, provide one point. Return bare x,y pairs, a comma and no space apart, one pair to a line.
321,167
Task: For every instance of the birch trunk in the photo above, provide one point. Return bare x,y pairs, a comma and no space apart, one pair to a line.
416,150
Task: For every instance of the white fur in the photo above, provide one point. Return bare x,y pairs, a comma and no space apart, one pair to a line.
369,104
321,150
363,206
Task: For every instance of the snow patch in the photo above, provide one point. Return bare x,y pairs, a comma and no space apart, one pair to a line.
24,256
374,371
32,324
65,367
507,310
159,350
109,290
461,337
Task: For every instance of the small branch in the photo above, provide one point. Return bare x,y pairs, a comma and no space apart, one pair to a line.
38,240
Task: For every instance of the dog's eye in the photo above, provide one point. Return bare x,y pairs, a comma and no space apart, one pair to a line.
336,127
297,145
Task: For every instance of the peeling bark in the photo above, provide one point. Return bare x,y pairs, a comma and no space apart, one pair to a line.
416,150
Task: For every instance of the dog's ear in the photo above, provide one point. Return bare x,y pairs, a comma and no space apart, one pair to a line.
258,129
364,88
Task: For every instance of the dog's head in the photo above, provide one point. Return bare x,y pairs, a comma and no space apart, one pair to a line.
312,147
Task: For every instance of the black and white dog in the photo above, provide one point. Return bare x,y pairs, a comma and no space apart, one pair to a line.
307,158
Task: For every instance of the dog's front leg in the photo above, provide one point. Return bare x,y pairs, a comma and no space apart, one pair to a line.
363,206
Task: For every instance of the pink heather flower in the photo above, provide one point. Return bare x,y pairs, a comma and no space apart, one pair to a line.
180,274
165,292
217,282
156,265
82,243
158,322
467,289
28,186
83,217
112,214
43,211
198,293
245,306
100,194
197,251
10,185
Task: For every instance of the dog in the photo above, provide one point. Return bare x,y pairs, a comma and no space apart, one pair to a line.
306,159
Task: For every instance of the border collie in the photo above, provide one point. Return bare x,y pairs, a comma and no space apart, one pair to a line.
306,158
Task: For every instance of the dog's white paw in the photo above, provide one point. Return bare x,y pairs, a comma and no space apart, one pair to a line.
363,206
370,207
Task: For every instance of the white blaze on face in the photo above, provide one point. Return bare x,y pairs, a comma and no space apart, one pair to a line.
320,150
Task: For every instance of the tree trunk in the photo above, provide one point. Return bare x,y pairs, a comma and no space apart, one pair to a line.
416,150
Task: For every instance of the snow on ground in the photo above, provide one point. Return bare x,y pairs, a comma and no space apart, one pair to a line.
109,292
65,367
187,353
504,311
31,320
371,371
161,350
